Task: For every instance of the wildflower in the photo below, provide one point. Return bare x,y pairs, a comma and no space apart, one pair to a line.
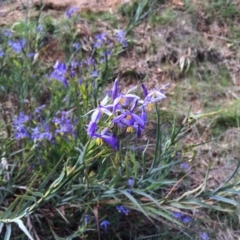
186,219
204,236
105,55
145,91
86,219
71,11
94,73
128,118
130,182
182,217
41,132
89,61
124,100
22,118
59,72
114,90
152,97
1,53
122,209
97,114
76,46
30,55
18,45
100,39
106,137
21,132
8,33
104,224
63,124
184,165
120,37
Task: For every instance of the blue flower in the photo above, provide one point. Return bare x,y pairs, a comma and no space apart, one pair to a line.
106,137
120,37
18,45
76,46
59,72
71,11
63,124
1,53
94,73
104,224
124,100
184,165
115,92
204,236
152,97
182,217
22,118
130,182
122,209
21,132
100,39
8,33
41,132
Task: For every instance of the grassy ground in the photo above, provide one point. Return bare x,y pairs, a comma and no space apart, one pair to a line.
194,47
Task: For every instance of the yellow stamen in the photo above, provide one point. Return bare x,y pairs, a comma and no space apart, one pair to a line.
128,117
122,100
150,106
99,141
129,129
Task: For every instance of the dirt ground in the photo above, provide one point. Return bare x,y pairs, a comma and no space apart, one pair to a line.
14,10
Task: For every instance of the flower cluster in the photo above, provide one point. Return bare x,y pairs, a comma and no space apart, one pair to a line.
122,209
37,129
182,217
121,112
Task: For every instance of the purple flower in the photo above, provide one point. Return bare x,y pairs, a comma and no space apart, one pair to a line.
130,182
41,132
128,118
86,219
186,219
114,91
122,209
204,236
71,11
89,61
20,132
17,45
8,33
63,124
1,53
21,119
76,46
124,100
120,37
182,217
104,224
94,73
106,137
30,55
145,91
100,39
184,165
59,72
152,97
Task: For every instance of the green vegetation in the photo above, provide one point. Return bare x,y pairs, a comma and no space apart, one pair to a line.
86,155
